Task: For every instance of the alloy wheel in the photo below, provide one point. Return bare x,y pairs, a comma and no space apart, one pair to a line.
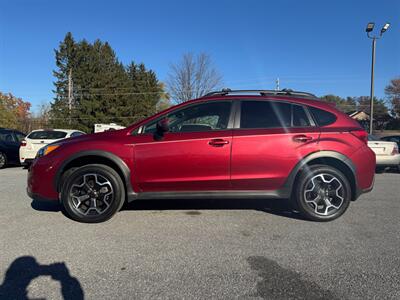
324,194
91,194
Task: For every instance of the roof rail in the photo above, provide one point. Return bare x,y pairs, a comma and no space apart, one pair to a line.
283,92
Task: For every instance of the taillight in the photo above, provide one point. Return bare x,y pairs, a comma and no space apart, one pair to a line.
361,135
395,150
23,143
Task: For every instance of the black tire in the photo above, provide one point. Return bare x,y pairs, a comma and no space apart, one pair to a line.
3,160
76,177
305,182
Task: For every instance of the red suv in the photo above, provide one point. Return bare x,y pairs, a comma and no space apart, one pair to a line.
228,144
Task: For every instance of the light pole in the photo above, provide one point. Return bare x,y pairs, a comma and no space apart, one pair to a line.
370,27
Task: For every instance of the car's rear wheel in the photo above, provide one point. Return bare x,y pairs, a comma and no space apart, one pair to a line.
92,193
3,160
322,193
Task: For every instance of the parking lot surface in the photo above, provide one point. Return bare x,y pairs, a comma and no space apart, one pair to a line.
200,249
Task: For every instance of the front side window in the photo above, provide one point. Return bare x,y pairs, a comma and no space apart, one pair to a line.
7,136
270,114
200,117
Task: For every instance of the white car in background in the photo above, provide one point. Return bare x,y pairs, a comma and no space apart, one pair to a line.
387,153
38,139
106,127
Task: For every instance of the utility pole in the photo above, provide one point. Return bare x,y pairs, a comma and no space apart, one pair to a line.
277,84
370,27
371,99
70,93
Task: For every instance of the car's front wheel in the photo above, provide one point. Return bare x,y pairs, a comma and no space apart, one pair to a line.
322,193
92,193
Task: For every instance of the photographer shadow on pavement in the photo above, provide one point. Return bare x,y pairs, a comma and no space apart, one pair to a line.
25,268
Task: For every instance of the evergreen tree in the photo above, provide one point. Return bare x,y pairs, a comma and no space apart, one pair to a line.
104,89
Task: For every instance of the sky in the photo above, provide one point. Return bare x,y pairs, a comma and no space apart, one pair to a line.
315,46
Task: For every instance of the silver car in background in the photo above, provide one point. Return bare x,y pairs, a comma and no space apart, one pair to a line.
387,153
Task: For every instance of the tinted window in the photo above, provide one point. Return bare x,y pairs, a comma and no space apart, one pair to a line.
322,117
300,118
391,139
372,138
76,133
7,136
265,114
47,135
201,117
19,136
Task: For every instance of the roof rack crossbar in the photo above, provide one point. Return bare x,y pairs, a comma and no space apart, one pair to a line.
282,92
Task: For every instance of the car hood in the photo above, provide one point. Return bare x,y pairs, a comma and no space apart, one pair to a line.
92,137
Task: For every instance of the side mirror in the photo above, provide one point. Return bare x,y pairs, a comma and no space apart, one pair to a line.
161,128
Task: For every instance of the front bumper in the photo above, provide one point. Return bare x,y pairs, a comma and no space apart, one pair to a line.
40,181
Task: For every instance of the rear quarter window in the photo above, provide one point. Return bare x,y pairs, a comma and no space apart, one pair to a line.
322,117
47,135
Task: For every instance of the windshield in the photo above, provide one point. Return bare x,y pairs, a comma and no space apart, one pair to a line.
47,135
372,138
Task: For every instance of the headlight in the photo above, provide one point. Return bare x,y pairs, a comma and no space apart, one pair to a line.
47,149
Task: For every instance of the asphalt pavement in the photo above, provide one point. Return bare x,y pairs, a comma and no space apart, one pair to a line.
200,249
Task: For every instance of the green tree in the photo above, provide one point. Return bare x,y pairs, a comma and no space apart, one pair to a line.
104,89
346,105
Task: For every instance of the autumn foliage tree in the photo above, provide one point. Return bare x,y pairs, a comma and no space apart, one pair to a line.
14,112
393,92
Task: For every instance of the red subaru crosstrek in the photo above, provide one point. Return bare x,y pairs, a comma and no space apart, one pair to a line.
228,144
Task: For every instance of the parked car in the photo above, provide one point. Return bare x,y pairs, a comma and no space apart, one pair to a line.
387,153
106,127
40,138
227,144
392,138
9,145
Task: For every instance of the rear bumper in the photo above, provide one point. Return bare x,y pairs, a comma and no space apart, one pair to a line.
388,160
26,155
365,163
26,162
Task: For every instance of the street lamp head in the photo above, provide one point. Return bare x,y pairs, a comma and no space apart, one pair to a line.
385,27
370,27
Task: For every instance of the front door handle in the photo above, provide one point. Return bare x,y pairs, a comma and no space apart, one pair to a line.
302,138
218,142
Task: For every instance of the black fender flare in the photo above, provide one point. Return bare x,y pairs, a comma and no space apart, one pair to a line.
289,183
126,172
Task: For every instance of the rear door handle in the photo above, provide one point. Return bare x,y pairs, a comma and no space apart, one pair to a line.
218,142
302,138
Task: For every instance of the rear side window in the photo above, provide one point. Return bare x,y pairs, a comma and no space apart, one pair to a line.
270,114
265,114
47,135
322,117
300,117
19,136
